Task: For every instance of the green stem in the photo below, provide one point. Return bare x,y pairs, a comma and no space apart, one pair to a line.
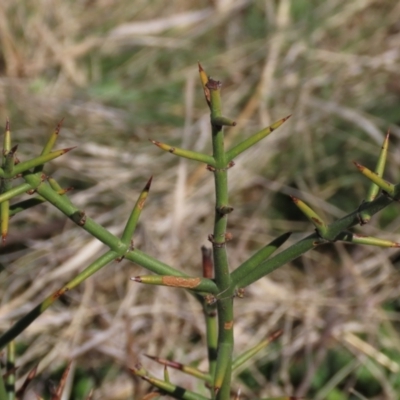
26,165
96,230
25,205
135,214
379,170
261,255
210,315
15,191
202,285
152,264
313,240
25,321
191,155
10,381
3,393
187,369
248,354
222,376
252,140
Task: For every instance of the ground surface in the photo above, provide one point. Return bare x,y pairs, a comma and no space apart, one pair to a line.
122,72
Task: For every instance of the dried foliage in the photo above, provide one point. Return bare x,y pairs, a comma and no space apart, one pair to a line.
121,73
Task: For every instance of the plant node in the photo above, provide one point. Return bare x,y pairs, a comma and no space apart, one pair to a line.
79,217
224,210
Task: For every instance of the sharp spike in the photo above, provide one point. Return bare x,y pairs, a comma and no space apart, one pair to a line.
58,127
275,335
155,142
148,185
208,265
286,118
69,149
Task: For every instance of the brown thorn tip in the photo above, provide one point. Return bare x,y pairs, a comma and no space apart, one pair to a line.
69,149
294,199
275,335
200,67
359,166
286,118
136,279
148,184
14,149
7,124
149,356
33,371
58,127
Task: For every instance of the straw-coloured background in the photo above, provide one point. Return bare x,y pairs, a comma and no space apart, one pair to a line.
123,72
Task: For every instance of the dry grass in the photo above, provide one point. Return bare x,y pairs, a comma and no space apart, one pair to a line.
123,72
